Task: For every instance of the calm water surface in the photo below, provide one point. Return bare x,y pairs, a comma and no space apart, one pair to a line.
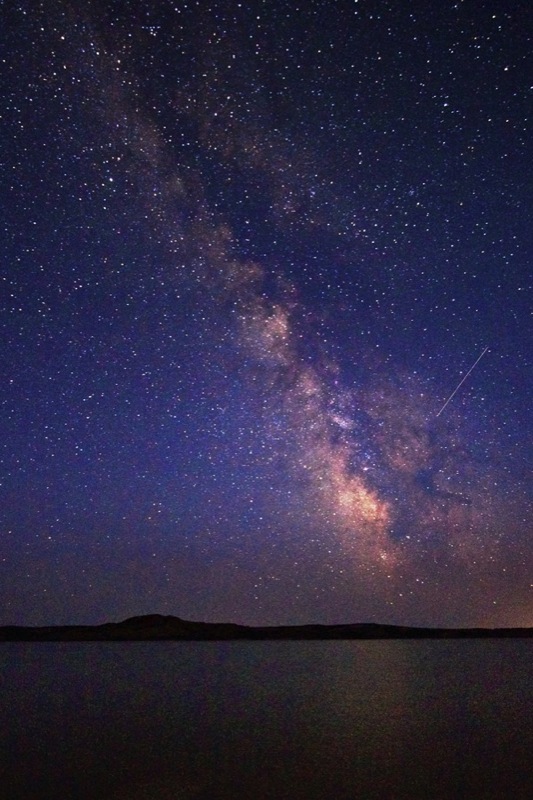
136,721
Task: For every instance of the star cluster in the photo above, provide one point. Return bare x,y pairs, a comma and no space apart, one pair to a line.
250,251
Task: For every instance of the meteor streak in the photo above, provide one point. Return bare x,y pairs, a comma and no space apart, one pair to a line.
462,381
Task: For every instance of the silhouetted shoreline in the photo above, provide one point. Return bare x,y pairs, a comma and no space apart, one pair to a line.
156,627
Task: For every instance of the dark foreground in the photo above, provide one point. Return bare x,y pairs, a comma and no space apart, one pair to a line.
156,627
263,720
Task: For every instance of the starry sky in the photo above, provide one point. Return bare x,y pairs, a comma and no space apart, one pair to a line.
249,251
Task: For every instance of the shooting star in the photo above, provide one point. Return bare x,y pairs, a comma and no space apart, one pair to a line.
476,362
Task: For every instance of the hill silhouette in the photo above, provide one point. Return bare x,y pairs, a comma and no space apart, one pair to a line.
157,627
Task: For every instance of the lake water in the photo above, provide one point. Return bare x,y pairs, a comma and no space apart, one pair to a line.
278,720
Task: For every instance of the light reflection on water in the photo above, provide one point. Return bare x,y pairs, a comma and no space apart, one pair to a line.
136,721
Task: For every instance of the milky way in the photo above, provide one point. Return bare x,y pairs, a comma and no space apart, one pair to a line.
251,254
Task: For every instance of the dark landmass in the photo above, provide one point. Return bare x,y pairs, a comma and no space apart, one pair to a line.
156,627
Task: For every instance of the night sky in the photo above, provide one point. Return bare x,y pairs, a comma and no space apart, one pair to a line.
249,251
